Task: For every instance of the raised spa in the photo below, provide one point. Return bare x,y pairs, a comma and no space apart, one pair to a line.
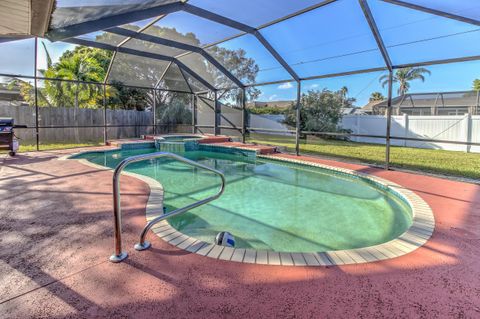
272,205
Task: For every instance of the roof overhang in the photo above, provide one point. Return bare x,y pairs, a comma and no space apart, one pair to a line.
22,18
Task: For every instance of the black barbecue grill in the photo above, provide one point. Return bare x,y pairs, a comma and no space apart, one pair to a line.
8,139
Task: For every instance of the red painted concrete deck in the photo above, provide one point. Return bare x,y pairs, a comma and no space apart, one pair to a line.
56,229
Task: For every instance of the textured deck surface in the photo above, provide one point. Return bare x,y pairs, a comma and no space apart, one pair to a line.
56,236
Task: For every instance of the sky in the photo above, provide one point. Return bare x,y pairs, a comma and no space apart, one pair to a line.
332,39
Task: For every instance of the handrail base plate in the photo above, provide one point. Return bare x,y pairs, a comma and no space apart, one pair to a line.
118,258
144,246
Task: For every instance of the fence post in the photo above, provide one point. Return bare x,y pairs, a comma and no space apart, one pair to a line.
468,131
216,109
406,124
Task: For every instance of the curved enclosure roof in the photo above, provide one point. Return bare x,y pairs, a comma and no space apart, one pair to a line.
202,45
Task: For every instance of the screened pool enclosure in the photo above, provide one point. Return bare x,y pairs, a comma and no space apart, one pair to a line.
197,66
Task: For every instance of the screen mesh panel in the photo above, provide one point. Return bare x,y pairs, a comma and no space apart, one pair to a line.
247,59
70,12
174,80
254,12
413,36
331,39
136,70
190,29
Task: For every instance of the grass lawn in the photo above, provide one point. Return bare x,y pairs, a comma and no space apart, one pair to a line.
53,146
435,161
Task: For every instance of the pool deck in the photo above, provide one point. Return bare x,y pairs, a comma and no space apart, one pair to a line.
56,236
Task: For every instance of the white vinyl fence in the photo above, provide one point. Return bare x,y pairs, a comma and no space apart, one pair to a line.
463,128
450,128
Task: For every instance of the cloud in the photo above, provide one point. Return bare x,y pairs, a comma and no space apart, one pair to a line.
272,97
314,86
285,86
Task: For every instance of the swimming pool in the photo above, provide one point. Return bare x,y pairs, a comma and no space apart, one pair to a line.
272,205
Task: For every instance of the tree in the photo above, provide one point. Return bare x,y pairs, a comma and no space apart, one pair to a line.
404,76
344,93
476,84
376,96
320,110
77,69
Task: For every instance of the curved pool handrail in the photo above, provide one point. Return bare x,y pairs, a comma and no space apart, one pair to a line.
119,255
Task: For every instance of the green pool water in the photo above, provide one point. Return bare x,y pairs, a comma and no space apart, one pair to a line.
272,205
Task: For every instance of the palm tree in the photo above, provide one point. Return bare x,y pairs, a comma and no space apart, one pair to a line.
376,96
404,76
77,70
343,94
476,84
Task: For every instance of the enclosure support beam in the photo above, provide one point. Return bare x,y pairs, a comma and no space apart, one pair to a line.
194,113
37,133
378,38
433,11
298,118
216,109
244,114
105,134
389,120
154,112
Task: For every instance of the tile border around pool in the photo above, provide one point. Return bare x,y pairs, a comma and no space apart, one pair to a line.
417,235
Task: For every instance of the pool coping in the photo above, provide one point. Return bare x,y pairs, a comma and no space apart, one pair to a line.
423,224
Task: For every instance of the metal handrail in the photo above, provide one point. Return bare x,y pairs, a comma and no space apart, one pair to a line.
119,255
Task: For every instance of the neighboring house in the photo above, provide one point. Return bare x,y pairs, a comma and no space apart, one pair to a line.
372,108
436,103
10,94
352,111
11,97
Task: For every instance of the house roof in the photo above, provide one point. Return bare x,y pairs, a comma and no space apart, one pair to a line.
440,99
19,18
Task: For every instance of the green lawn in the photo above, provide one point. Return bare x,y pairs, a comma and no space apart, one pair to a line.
435,161
53,146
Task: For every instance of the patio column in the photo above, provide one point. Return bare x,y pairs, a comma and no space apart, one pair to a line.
244,114
298,119
389,120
